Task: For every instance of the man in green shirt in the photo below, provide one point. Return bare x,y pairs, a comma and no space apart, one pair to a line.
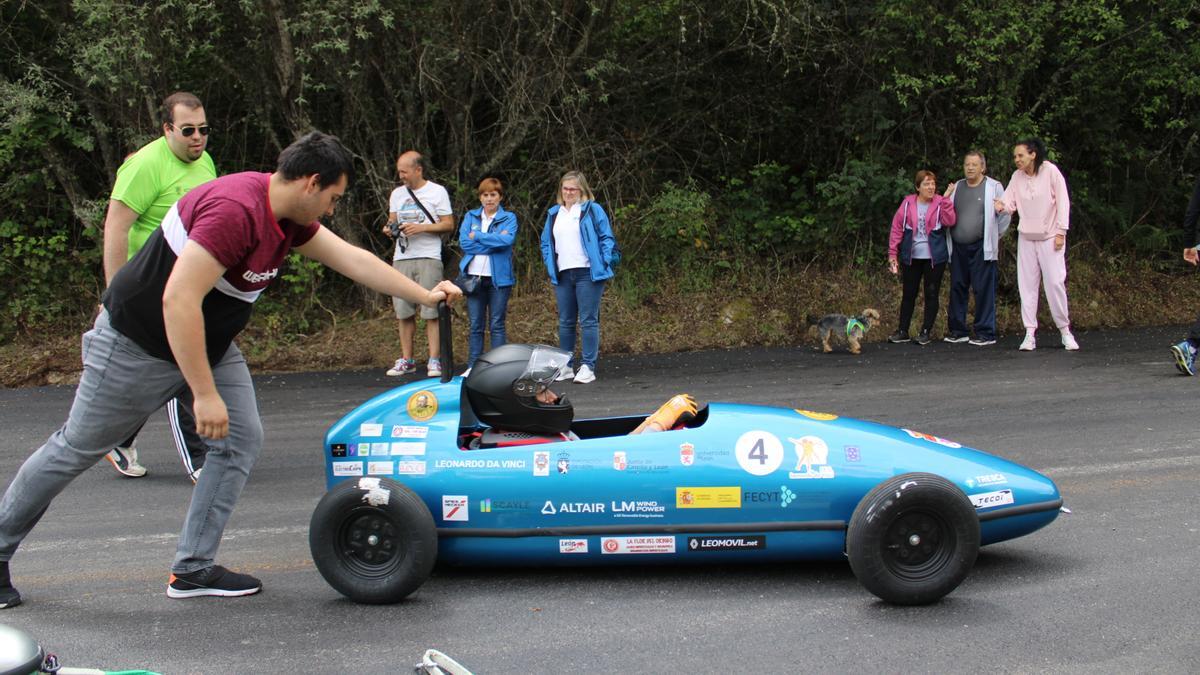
149,182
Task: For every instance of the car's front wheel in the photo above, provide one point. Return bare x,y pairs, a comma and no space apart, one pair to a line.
913,539
373,540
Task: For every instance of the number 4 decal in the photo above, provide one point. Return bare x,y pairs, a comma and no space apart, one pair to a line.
759,452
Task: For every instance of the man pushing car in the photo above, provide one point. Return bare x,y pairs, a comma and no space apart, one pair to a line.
169,320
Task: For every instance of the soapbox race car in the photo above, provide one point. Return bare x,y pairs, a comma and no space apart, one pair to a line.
736,482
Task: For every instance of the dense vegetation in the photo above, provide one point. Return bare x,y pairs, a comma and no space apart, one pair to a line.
724,135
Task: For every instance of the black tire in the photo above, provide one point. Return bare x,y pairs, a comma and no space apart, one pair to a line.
913,539
374,543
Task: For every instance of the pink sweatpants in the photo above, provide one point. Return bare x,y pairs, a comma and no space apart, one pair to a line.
1037,260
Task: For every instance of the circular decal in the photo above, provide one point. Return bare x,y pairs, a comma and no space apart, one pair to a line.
823,417
611,545
759,452
422,406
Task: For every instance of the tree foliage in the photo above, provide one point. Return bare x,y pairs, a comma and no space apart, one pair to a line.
720,134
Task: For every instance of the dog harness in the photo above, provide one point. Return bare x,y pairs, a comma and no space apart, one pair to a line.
853,323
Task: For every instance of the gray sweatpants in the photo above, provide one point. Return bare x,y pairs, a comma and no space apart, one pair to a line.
121,385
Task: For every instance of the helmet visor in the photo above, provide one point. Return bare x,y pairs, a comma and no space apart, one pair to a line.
545,365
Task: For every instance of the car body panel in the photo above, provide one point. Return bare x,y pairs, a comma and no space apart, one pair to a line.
750,482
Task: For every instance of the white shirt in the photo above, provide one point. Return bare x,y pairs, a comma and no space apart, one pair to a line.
568,246
437,202
481,265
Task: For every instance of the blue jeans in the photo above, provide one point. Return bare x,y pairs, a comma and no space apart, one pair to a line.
121,385
579,301
488,300
968,270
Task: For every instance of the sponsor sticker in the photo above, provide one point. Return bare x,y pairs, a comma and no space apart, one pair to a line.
411,467
636,545
370,430
987,500
455,508
986,479
541,463
637,509
758,452
347,468
408,431
708,497
564,463
338,449
853,454
352,450
812,458
493,505
422,406
550,508
754,542
406,448
783,497
687,454
819,416
572,546
619,461
932,439
379,468
379,449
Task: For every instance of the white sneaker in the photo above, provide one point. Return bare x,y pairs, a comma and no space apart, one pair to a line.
585,375
1029,344
465,373
435,368
125,460
566,374
1069,342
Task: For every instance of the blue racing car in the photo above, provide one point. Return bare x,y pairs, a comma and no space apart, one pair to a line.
493,469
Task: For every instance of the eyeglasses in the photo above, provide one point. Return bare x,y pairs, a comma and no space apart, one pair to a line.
189,130
567,189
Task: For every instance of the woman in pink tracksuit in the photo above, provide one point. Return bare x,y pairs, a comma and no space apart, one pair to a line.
1038,193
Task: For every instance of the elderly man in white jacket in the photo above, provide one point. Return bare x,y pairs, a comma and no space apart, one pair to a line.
974,249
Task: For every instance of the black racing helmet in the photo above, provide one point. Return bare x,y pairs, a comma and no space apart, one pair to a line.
503,385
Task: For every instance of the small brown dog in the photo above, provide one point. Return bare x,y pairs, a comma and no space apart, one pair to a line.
843,329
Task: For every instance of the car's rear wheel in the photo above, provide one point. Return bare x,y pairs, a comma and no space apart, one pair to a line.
373,540
913,539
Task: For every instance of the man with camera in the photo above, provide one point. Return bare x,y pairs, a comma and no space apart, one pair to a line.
419,214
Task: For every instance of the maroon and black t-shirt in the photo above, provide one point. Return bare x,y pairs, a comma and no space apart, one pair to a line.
231,218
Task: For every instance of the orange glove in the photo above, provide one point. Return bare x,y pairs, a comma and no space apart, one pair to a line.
668,414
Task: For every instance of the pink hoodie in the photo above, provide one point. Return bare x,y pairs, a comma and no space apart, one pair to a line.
1042,202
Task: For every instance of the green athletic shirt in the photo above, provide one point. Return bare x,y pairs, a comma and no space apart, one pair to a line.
151,181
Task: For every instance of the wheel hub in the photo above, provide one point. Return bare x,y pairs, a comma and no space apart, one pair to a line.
370,542
917,544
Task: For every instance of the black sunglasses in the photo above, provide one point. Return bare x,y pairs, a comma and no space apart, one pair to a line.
188,131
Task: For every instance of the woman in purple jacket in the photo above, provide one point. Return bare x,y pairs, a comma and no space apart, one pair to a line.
918,246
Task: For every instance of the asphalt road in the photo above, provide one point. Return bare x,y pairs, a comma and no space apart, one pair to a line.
1112,587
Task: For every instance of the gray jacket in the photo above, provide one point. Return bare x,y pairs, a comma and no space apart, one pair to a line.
994,226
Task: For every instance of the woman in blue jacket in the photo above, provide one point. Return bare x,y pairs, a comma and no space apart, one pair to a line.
487,238
918,246
577,247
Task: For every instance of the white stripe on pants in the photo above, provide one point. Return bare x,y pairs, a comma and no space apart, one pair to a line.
1039,264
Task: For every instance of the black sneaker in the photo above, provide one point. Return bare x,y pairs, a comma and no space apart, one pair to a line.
9,597
923,338
955,339
215,580
898,337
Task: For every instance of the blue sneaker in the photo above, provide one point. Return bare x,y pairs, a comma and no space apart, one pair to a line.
1185,357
